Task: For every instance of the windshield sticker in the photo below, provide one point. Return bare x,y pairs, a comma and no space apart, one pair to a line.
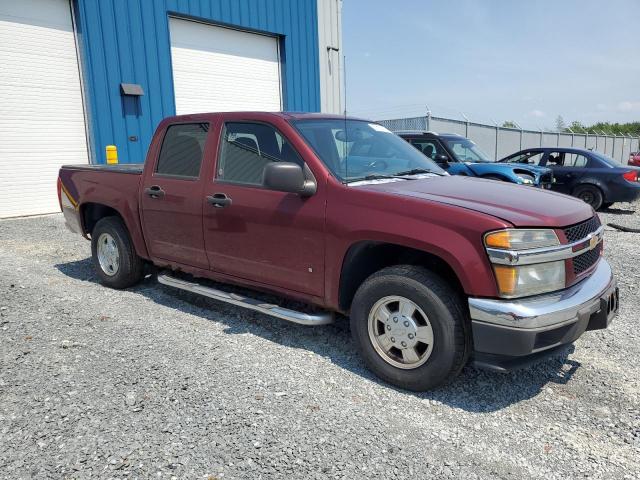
378,128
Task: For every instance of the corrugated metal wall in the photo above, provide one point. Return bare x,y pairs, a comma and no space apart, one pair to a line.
330,54
127,41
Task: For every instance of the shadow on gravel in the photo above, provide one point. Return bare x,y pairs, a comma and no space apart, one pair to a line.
617,211
473,390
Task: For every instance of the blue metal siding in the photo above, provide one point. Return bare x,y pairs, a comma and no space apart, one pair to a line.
127,41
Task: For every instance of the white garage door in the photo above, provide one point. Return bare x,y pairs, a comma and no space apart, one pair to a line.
217,69
41,116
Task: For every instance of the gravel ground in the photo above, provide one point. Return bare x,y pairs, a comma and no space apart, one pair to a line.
149,382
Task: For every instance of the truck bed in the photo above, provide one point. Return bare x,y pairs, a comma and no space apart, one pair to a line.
133,168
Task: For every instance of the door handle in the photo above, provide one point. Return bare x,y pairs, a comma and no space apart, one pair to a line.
154,191
219,200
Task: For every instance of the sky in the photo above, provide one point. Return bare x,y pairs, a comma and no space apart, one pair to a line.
493,60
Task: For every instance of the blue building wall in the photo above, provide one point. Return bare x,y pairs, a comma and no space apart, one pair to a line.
127,41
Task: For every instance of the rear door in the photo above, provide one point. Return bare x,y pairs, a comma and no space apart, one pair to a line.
568,168
171,196
253,233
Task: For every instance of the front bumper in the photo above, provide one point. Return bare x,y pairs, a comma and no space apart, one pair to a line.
509,334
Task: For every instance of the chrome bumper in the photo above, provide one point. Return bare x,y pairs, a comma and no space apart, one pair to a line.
526,326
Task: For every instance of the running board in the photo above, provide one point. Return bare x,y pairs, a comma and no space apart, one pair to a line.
302,318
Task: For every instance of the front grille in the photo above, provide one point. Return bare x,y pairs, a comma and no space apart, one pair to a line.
586,260
581,230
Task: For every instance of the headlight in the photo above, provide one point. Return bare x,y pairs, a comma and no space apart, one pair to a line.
520,239
528,280
524,280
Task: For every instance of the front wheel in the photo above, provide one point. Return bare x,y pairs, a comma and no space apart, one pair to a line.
114,258
408,324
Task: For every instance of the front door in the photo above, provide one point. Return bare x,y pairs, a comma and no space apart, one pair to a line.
171,197
253,233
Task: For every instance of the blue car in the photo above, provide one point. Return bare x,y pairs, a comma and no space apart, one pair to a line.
460,156
595,178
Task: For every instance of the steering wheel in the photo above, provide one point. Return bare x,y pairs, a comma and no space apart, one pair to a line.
378,163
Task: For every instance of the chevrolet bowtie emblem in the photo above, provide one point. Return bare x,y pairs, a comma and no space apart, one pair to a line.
593,241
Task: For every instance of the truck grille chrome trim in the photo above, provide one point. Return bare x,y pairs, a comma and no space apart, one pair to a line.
323,318
546,254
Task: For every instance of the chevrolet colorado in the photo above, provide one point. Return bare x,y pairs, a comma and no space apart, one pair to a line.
346,217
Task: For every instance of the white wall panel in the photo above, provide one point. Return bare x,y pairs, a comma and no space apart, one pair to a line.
217,69
42,122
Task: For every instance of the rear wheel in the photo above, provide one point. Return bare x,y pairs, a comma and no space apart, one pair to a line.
409,327
590,194
114,258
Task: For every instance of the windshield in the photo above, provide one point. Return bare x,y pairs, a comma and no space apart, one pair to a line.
357,150
608,160
466,151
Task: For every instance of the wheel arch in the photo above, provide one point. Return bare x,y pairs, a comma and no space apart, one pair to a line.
92,212
367,257
592,182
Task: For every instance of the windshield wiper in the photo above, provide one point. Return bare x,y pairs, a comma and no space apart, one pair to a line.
416,171
380,176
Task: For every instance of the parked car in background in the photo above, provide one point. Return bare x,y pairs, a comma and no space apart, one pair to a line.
460,156
595,178
634,159
342,215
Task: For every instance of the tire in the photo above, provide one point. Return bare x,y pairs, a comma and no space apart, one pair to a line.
590,194
114,258
440,358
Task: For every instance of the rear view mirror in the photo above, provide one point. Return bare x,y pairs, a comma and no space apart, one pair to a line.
287,177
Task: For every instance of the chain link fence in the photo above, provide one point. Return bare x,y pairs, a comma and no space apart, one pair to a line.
498,142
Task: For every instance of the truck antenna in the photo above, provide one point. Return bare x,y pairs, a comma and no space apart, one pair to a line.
346,135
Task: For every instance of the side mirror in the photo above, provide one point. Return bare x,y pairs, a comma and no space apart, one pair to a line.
442,160
287,177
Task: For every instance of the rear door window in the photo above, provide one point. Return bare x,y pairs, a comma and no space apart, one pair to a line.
182,150
430,148
575,160
532,158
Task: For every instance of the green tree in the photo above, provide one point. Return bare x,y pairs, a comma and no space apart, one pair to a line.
509,124
560,125
577,127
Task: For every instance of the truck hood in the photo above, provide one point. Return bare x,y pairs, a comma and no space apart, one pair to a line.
520,205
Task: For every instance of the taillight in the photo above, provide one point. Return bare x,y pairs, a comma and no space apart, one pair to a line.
59,188
631,176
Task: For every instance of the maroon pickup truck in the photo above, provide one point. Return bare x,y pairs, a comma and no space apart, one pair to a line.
345,217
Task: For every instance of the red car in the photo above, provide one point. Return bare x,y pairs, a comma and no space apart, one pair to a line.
634,159
346,217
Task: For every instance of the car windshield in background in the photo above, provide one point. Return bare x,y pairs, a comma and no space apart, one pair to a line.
607,160
358,150
466,151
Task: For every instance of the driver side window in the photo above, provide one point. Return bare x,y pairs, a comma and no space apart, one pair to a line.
247,148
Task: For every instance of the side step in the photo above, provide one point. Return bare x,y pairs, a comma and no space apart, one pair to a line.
302,318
